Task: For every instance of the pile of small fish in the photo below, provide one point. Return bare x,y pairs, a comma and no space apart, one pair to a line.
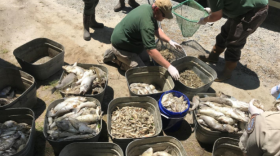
42,60
149,152
169,56
132,122
143,88
74,118
221,113
173,103
6,95
13,137
80,80
190,79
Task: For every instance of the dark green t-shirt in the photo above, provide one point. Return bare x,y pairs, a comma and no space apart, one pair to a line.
136,31
235,8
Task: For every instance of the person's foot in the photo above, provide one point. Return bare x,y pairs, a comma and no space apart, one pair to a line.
119,6
94,23
133,3
226,73
213,57
109,56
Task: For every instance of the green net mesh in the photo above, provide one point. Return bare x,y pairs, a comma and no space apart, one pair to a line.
188,13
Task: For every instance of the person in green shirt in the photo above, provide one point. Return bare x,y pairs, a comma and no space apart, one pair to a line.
244,17
133,39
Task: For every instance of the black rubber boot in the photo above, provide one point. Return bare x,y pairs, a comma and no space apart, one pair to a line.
226,73
86,22
133,3
213,57
94,23
119,6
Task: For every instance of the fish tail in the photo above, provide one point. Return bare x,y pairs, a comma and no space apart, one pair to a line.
53,90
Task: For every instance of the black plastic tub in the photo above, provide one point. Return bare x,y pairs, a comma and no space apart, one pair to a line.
59,145
226,147
97,96
147,103
21,81
21,115
207,136
203,71
137,147
38,48
155,75
92,149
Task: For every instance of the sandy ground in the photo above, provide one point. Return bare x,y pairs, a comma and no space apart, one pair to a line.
61,21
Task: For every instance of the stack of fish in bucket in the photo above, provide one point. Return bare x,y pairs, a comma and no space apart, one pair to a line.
173,106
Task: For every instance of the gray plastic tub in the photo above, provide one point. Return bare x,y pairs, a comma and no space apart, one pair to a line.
21,115
147,103
23,82
59,145
204,72
92,149
30,52
226,147
97,96
207,136
137,147
155,75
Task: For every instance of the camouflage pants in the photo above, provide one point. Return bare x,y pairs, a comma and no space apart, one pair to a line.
90,6
235,31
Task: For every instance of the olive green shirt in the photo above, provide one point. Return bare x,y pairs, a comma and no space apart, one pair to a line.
136,31
235,8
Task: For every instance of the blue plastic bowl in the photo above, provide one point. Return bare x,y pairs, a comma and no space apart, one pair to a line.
168,113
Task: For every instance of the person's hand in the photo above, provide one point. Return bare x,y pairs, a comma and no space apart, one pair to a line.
173,72
207,9
175,45
201,21
253,109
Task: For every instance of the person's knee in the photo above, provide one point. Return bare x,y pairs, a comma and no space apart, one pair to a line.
232,55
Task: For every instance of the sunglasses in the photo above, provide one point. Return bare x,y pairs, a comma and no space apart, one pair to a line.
163,15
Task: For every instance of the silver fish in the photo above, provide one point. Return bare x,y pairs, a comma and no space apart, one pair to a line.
215,125
226,120
195,102
66,125
86,83
161,153
55,134
67,80
89,118
80,126
86,104
210,112
87,73
79,71
8,143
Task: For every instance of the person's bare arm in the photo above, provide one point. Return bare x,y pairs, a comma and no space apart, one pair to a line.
161,35
154,53
214,16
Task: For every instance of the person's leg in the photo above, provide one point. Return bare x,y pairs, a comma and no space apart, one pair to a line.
220,45
86,18
119,6
93,22
240,29
133,3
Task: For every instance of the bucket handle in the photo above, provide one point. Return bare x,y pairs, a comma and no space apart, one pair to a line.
164,116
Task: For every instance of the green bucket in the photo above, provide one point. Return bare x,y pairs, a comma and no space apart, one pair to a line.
188,13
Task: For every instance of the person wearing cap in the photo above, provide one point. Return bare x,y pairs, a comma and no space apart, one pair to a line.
262,134
133,39
244,17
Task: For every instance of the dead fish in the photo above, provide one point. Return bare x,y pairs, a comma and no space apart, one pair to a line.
55,134
217,100
67,80
66,125
229,128
212,123
97,90
243,106
148,152
5,91
79,71
161,153
86,104
89,118
87,73
210,112
75,99
86,83
201,121
9,123
226,120
64,110
195,102
80,126
8,143
74,90
75,137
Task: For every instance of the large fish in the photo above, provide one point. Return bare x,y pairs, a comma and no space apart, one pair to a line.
210,112
226,120
86,83
80,126
79,71
66,125
232,112
87,73
67,80
195,102
88,104
8,143
215,125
